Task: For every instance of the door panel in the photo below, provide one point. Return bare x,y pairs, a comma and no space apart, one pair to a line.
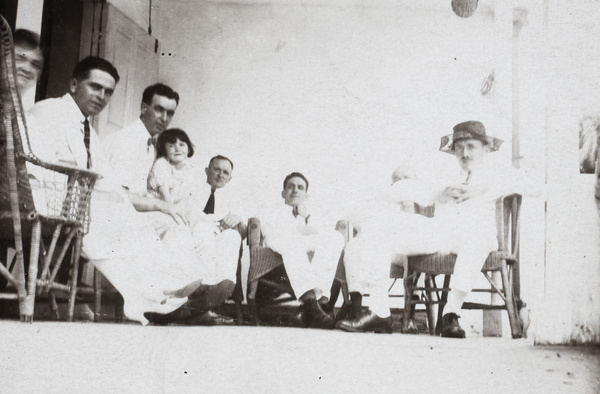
132,51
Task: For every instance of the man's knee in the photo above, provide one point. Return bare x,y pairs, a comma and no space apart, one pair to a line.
231,237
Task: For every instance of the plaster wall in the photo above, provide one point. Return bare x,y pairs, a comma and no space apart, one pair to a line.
560,85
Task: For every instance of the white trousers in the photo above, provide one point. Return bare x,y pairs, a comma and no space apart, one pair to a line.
140,264
306,275
216,253
367,257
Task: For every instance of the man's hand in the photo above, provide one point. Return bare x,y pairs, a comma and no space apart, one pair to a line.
459,193
230,220
177,213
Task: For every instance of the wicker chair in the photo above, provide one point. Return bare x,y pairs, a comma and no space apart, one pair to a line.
505,260
266,269
56,208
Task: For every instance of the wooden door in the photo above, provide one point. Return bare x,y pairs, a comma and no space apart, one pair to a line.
135,55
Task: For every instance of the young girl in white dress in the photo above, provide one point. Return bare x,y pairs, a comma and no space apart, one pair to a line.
174,179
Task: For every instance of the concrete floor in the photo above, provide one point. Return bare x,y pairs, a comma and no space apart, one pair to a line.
58,357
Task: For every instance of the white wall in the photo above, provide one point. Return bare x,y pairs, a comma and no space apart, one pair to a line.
341,93
561,85
344,91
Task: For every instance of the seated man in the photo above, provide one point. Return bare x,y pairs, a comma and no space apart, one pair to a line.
292,230
464,224
131,151
218,233
386,208
120,242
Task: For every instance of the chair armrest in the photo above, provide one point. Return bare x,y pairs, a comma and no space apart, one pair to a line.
62,168
343,226
254,232
508,208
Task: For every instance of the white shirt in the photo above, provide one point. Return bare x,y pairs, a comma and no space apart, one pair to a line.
222,201
280,221
56,131
131,156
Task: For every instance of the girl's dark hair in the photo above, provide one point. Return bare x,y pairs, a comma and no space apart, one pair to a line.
170,136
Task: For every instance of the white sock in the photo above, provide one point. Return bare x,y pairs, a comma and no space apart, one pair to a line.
455,300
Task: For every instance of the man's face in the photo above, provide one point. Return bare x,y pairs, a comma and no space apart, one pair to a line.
295,192
29,63
470,153
157,115
218,173
93,93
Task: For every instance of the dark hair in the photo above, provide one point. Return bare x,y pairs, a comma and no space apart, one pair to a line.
83,68
219,157
26,38
159,89
295,175
171,136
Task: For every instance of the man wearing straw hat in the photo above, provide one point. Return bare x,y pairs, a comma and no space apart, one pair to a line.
464,224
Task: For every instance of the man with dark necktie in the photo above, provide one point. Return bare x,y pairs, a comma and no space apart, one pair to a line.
217,238
120,242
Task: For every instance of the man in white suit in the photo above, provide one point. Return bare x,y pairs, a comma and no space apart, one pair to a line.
120,243
293,230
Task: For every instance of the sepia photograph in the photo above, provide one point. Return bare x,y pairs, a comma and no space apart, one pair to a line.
299,196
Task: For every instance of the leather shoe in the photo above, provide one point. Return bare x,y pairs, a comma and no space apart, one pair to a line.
345,312
298,319
369,321
211,297
450,326
211,318
316,316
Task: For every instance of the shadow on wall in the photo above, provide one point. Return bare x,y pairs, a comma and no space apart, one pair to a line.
589,133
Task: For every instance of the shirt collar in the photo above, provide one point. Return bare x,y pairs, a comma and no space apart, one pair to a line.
74,108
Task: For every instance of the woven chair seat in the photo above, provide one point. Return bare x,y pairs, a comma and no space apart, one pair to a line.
443,263
264,260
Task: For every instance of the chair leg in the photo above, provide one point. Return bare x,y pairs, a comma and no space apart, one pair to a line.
26,305
119,304
54,305
74,275
513,316
97,295
251,297
442,304
429,289
409,280
238,293
336,287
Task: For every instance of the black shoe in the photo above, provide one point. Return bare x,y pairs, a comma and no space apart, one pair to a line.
211,296
450,326
177,316
298,319
210,318
345,312
316,316
366,323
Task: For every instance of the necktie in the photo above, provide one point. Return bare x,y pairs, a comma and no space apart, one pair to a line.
86,141
210,203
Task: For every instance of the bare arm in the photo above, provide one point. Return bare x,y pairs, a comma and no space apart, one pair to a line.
146,204
165,194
